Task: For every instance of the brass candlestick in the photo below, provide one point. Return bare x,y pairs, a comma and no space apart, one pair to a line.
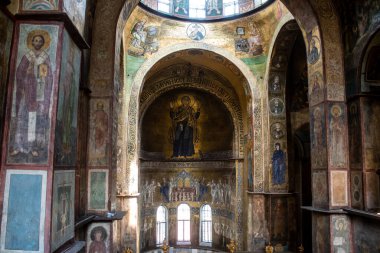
232,246
165,247
269,248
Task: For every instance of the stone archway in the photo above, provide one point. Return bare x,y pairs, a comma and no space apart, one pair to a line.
288,84
127,178
132,113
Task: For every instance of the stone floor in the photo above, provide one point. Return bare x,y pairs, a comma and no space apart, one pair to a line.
183,250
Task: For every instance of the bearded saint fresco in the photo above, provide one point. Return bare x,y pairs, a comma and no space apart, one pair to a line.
34,81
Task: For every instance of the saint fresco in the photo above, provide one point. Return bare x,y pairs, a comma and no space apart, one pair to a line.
277,130
98,189
318,138
181,7
144,39
250,43
279,219
276,106
316,88
336,136
214,8
99,132
63,208
98,238
278,165
29,136
275,84
196,32
66,127
314,46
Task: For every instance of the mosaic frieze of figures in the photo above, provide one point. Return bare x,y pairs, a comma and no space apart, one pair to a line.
187,187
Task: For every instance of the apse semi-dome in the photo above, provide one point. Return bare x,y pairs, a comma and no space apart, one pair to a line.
204,9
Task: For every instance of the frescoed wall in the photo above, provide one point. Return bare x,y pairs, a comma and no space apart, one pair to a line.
318,137
63,207
99,140
209,130
146,33
196,188
336,135
357,189
249,40
371,108
321,233
6,32
365,235
24,211
98,238
66,126
359,18
98,189
355,135
76,10
40,5
32,94
341,239
279,221
259,230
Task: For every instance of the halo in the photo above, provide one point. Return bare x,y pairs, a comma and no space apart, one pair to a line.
336,111
353,108
274,126
317,110
280,102
96,229
179,98
340,221
42,33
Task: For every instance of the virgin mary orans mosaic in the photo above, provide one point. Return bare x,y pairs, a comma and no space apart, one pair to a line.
184,132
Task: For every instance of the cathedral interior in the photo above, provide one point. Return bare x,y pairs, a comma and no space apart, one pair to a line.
190,126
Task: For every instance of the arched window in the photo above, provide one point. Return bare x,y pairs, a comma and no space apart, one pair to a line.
161,231
197,9
163,5
231,7
183,216
206,225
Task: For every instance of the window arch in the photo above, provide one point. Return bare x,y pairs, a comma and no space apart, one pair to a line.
206,225
204,9
183,218
161,224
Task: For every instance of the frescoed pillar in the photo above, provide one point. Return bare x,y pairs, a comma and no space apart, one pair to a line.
370,109
28,141
329,149
39,139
